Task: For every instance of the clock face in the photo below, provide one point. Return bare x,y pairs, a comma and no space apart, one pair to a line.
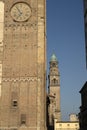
20,12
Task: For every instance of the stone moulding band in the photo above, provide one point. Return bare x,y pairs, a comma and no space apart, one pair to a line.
21,79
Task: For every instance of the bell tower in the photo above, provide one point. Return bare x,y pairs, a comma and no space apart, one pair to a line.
54,91
23,91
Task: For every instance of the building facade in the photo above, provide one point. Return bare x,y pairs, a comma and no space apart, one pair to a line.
54,111
83,108
66,125
23,92
85,26
72,124
83,91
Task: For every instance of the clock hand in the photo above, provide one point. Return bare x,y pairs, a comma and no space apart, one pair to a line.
18,10
19,15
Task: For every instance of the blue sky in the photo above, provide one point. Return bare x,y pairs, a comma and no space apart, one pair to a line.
65,38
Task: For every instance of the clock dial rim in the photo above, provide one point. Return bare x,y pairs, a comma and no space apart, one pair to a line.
22,18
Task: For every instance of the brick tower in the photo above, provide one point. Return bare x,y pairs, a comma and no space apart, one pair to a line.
54,92
23,92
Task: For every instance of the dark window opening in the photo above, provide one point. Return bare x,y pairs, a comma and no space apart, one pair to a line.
15,103
54,82
23,119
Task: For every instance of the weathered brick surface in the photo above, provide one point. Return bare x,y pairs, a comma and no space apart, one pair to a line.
23,69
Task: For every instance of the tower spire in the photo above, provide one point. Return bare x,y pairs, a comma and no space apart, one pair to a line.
53,58
54,91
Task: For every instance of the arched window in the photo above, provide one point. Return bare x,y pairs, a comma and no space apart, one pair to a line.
54,82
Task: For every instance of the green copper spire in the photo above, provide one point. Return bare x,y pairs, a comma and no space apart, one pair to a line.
53,58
